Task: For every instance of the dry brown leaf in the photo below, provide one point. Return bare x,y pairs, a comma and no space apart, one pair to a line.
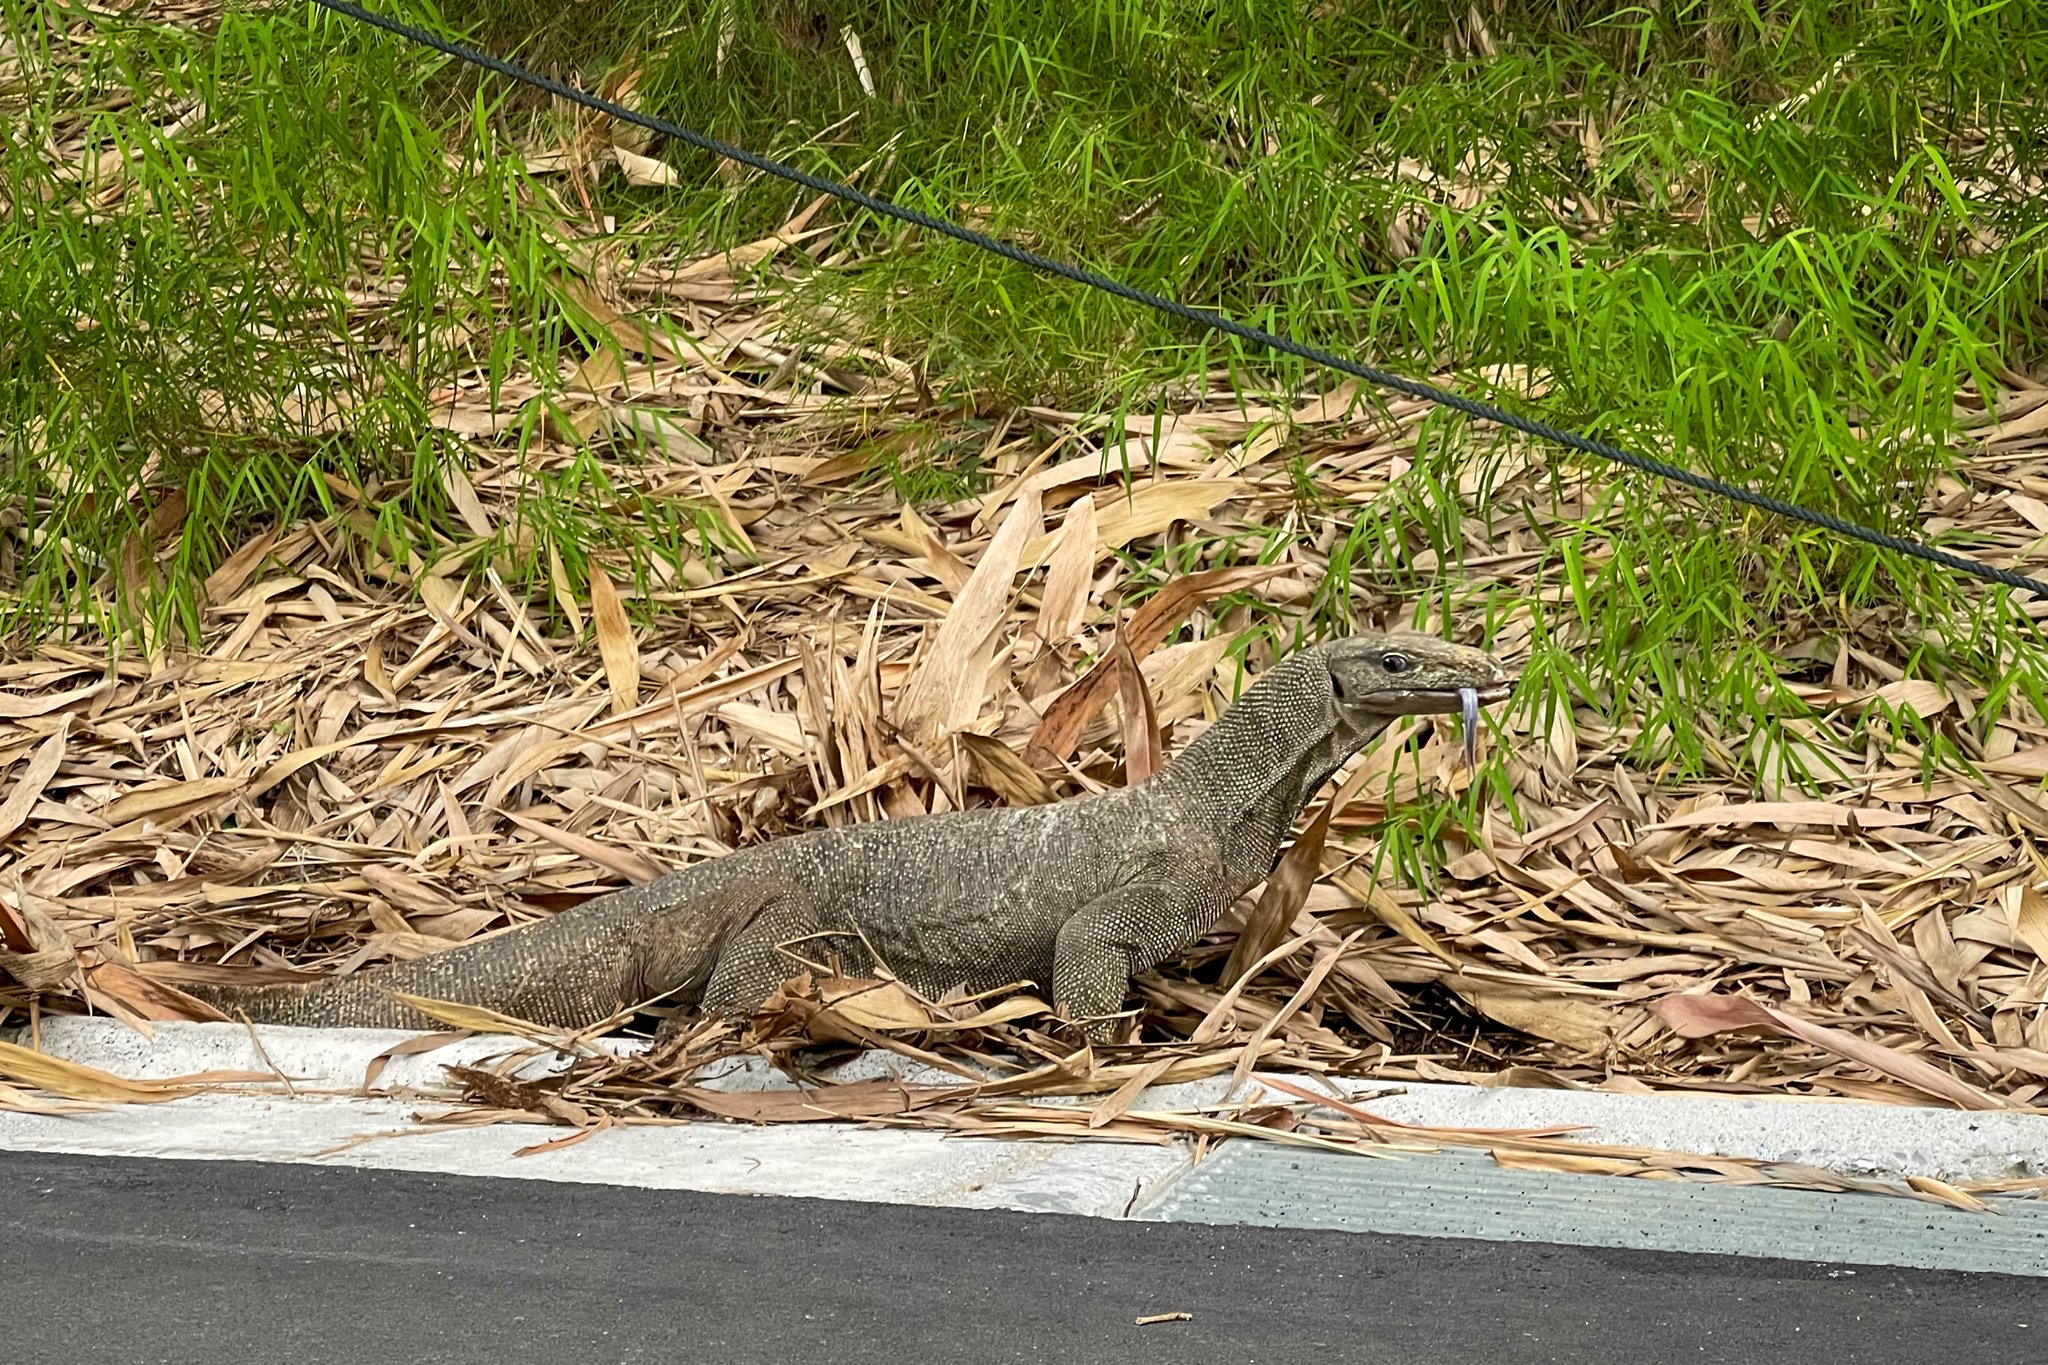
14,706
1564,1163
2030,921
2004,431
1699,1016
456,926
1008,1011
645,170
1792,813
1121,519
234,571
1578,1024
146,997
2028,813
407,893
1068,716
997,767
874,1004
1064,603
1392,915
1179,676
170,803
1285,892
1365,1116
595,1126
870,1099
40,956
1948,1194
296,762
17,1101
409,1047
1916,696
76,1081
564,591
637,337
474,1018
623,861
782,731
2029,762
1326,959
1142,757
462,493
950,685
13,933
28,788
615,641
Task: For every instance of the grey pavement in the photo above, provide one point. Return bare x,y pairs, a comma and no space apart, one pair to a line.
108,1259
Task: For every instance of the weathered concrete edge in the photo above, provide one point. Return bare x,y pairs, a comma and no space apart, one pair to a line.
1855,1138
327,1118
1465,1195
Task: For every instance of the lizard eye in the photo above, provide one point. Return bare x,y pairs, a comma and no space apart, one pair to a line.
1395,663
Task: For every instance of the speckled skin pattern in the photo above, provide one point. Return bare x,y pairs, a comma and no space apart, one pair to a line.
1075,896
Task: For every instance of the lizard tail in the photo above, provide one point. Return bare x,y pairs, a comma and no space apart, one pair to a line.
349,1002
568,971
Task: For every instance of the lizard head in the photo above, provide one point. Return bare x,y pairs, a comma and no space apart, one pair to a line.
1374,678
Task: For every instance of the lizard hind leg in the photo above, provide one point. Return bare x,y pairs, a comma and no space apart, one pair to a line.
785,937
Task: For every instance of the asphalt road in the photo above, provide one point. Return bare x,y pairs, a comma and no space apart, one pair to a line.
114,1260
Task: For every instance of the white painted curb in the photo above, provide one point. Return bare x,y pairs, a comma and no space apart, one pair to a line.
330,1118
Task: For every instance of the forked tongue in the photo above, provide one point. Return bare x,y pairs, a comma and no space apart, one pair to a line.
1468,704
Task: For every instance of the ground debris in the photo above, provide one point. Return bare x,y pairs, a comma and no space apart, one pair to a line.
363,760
997,1080
344,772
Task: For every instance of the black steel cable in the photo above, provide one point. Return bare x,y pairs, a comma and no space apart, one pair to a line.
1485,412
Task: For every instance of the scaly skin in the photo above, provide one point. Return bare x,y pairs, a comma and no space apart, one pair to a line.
1078,895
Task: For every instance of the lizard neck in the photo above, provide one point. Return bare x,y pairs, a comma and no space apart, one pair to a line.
1248,776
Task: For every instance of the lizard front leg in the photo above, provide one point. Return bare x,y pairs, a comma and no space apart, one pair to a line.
1115,935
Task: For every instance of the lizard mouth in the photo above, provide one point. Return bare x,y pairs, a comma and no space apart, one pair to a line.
1431,701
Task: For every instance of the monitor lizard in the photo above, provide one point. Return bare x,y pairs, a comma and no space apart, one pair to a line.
1074,896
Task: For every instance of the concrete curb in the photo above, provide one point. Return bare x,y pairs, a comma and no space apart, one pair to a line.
330,1118
1466,1195
1852,1137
